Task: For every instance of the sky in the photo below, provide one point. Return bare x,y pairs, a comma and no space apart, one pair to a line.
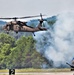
12,8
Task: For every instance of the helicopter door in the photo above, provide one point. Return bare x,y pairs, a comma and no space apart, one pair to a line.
16,28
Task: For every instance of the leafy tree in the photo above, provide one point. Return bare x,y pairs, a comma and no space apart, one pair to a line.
19,53
6,43
24,55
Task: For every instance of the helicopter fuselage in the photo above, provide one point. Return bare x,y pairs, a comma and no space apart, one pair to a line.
22,27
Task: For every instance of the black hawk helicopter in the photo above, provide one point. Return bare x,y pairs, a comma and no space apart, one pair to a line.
19,26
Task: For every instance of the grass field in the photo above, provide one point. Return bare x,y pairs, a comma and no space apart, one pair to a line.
37,70
30,71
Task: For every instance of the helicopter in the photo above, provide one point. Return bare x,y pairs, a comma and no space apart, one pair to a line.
19,26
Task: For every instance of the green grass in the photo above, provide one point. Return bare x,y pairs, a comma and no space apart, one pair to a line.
36,70
4,70
29,70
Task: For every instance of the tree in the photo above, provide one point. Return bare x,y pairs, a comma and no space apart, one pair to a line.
6,43
24,55
20,53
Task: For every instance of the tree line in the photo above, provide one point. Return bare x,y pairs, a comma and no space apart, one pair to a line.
19,53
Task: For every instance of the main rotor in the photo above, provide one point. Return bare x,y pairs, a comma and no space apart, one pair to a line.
15,18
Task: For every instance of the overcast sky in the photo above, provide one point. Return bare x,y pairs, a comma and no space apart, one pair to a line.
11,8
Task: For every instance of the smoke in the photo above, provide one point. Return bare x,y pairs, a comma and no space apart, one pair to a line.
57,43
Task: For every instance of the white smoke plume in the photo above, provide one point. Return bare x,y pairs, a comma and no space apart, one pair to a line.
57,43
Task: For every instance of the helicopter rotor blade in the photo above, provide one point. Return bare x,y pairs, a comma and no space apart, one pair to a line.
22,17
29,16
41,15
6,18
